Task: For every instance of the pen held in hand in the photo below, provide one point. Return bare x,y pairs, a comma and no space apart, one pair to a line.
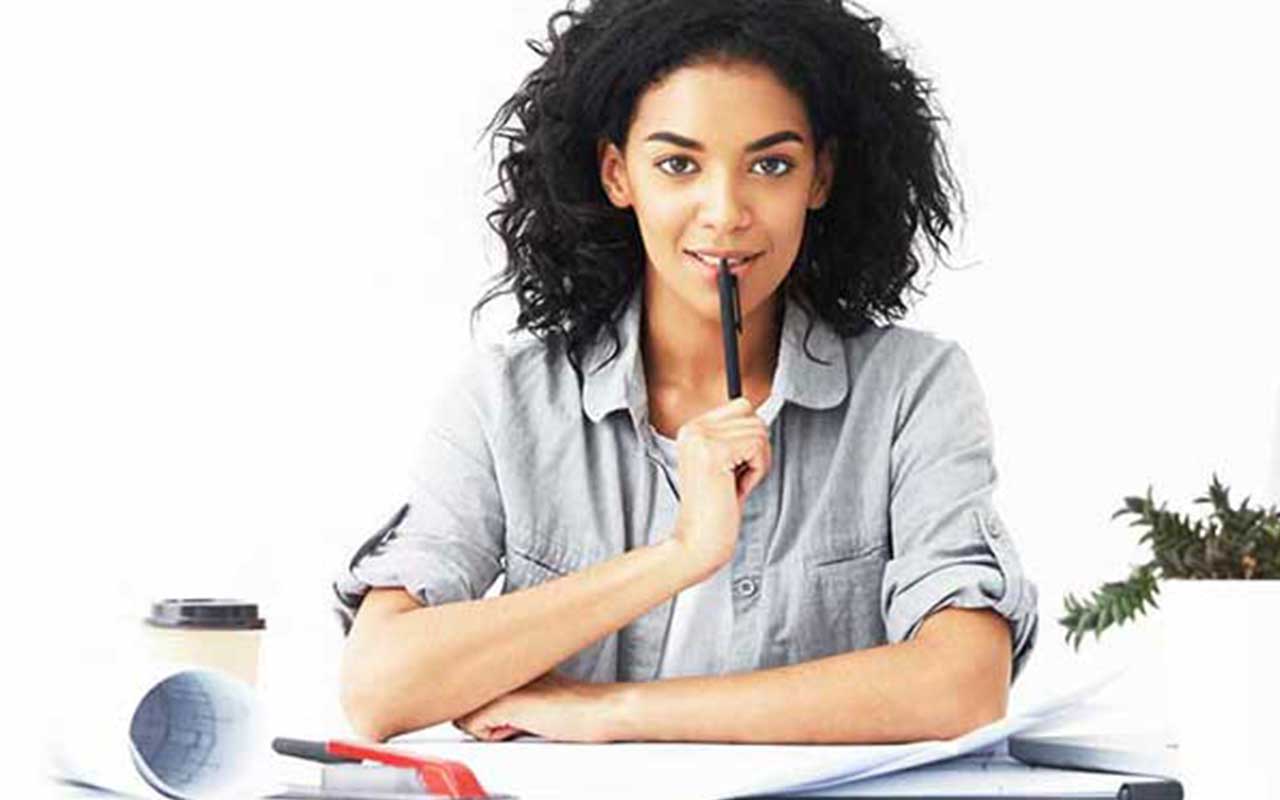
730,325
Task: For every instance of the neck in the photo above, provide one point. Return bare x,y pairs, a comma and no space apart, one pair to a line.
684,351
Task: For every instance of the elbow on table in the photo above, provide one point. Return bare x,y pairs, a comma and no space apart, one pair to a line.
376,674
379,704
376,713
365,710
978,696
366,725
972,713
372,699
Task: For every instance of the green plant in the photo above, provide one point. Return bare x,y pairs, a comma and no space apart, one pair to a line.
1232,544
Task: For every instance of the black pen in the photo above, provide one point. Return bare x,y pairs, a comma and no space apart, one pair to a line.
730,325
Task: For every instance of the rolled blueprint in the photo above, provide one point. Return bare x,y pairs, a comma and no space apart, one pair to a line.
166,730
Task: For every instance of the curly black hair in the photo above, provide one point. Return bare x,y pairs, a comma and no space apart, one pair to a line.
573,258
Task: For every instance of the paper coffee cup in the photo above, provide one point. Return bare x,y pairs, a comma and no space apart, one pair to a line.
205,632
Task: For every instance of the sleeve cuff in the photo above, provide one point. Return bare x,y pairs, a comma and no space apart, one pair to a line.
987,576
434,571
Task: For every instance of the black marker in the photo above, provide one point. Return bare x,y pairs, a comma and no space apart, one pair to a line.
730,325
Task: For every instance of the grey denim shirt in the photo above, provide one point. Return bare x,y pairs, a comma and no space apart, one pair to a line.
876,512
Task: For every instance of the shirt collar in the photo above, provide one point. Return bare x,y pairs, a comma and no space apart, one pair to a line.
620,384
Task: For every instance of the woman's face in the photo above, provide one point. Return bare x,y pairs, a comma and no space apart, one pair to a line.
719,161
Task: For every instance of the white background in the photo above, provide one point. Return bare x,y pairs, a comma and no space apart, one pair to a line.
241,241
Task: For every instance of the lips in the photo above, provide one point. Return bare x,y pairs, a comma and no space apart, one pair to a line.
736,259
709,266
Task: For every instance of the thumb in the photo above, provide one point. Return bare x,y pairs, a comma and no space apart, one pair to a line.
748,481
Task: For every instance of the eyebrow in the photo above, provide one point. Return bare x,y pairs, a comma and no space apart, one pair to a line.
759,144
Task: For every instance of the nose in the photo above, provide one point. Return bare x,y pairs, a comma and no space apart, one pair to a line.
724,206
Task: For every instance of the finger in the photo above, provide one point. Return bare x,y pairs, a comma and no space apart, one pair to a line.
477,723
754,471
737,460
744,447
710,433
751,424
737,407
504,732
710,427
752,476
724,449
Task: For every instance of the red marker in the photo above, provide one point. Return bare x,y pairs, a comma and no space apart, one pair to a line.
434,776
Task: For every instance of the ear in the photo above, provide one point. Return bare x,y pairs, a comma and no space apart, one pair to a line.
613,173
824,174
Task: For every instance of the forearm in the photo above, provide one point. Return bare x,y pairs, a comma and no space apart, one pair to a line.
428,665
935,686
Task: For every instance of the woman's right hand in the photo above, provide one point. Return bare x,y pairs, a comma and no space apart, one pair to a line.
723,455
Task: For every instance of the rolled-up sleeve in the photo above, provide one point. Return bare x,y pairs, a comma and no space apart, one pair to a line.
950,547
446,542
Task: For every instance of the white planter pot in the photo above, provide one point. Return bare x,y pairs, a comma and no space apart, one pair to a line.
1223,667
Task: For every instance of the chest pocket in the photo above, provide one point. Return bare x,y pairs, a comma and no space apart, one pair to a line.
537,556
831,587
532,560
839,595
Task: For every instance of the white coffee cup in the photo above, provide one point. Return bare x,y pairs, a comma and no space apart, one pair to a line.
218,634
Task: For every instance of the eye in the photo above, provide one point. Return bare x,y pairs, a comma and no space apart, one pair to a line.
674,160
785,166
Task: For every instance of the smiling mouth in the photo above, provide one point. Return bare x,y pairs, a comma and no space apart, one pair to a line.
714,263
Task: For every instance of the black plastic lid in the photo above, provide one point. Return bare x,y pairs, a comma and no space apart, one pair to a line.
205,612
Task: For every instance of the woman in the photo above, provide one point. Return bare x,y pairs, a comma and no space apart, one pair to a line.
816,561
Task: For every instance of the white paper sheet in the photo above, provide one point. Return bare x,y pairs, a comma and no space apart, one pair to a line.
533,768
992,774
151,730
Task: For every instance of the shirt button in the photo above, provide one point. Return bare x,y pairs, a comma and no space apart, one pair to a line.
746,587
994,526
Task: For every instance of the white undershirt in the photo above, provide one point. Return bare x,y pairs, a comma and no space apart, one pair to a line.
697,641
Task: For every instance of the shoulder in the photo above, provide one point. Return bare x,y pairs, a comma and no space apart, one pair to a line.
929,385
513,373
903,373
901,355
